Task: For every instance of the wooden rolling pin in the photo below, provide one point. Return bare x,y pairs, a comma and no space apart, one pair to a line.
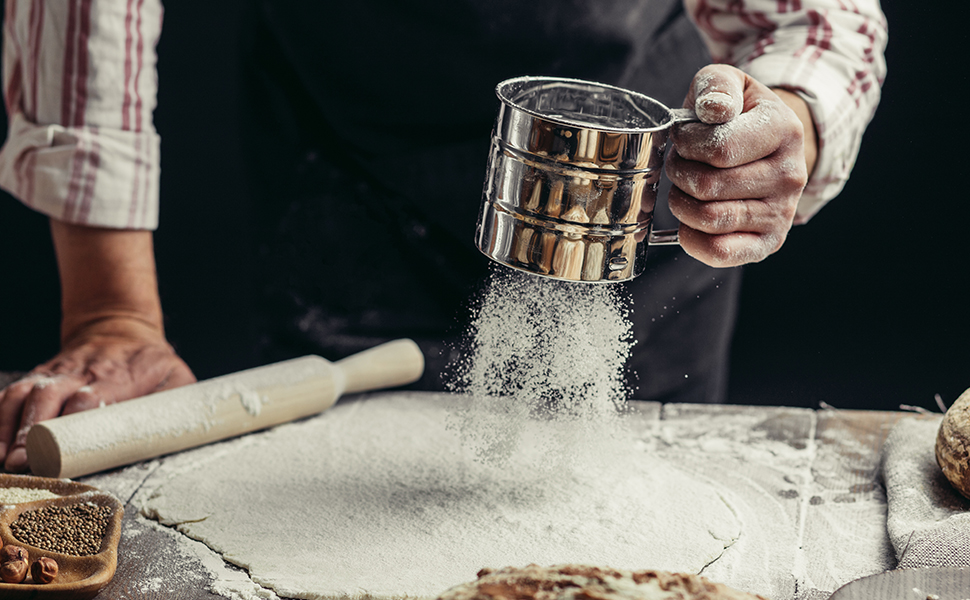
212,410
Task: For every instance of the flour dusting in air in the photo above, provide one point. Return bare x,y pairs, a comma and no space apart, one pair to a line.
543,365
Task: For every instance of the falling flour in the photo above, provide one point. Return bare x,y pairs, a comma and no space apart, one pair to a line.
541,356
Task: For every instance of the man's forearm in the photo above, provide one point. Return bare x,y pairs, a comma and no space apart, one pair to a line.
108,281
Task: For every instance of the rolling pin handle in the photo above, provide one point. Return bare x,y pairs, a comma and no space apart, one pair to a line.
395,363
43,451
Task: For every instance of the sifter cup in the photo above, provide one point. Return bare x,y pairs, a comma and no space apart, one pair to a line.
572,178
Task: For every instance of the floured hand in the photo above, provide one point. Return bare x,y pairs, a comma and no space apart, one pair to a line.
108,362
739,173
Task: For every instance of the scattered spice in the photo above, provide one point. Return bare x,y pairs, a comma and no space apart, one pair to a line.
77,529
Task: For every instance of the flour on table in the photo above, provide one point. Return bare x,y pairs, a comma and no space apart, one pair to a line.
379,498
178,558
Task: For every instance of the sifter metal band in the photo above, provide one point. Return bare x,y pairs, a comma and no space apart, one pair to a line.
572,178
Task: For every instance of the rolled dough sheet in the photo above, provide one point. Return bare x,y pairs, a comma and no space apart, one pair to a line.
379,498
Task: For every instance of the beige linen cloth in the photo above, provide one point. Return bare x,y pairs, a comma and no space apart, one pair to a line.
928,520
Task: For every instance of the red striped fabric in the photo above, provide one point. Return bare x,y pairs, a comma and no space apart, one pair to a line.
13,83
37,31
81,185
126,103
93,165
70,59
139,61
81,80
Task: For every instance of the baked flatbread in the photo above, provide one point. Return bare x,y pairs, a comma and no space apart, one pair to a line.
582,582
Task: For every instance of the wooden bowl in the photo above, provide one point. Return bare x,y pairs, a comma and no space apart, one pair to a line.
78,577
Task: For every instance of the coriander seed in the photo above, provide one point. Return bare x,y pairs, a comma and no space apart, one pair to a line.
76,529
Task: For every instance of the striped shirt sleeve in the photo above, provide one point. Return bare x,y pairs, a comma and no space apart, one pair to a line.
830,52
79,85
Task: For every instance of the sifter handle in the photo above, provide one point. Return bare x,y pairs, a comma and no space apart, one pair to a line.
664,237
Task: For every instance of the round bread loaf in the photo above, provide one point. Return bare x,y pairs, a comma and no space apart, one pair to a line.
581,582
953,444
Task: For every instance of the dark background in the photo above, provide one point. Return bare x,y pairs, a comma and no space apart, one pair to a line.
864,307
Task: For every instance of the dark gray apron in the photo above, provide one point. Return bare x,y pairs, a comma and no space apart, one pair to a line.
370,124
